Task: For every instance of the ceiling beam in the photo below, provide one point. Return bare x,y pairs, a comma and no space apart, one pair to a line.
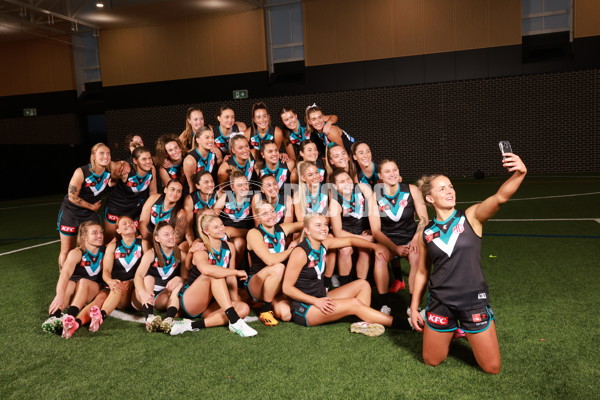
54,14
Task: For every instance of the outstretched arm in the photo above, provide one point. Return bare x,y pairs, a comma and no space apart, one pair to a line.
481,212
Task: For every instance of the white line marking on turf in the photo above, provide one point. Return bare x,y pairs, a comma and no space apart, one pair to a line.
31,205
537,198
127,317
543,219
29,247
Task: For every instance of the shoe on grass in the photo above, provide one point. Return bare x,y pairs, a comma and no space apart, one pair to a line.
95,319
153,323
166,325
52,325
242,329
70,325
182,326
367,328
268,318
386,310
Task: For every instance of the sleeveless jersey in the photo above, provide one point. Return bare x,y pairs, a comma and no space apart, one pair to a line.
247,169
281,173
256,140
309,280
317,203
397,212
165,273
93,185
237,215
369,180
202,163
199,203
275,243
279,206
455,250
354,211
127,260
175,171
219,258
297,137
222,141
131,193
90,266
158,213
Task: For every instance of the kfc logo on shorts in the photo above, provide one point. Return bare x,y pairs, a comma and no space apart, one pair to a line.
67,229
437,319
460,228
479,317
111,217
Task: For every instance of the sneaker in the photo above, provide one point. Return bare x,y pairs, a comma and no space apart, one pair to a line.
166,325
386,310
70,325
182,326
422,312
242,329
335,281
459,333
367,328
52,325
268,318
396,286
153,323
95,319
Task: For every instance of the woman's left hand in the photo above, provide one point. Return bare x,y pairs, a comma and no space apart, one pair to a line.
283,157
382,252
413,248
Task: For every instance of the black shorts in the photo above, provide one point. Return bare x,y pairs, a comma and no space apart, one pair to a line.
71,216
442,318
247,286
299,311
400,240
112,215
182,308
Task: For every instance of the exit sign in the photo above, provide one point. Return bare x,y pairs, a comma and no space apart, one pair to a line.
240,94
29,112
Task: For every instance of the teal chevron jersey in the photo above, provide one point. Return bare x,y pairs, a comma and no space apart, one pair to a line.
247,169
309,280
317,203
397,213
279,206
369,180
281,173
256,140
218,258
275,243
455,250
131,193
126,260
163,274
90,266
202,163
354,211
93,185
175,171
222,141
297,137
158,213
199,203
237,215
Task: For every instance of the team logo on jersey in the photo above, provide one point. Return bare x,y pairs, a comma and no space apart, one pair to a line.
139,184
437,319
394,208
92,264
446,240
97,186
129,258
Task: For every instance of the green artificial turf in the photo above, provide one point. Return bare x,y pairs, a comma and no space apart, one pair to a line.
544,292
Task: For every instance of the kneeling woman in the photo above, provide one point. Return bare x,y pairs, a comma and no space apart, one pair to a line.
80,279
312,304
267,249
458,293
157,280
213,274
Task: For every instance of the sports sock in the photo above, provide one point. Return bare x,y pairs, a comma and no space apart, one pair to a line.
73,310
148,310
56,314
327,281
198,324
266,307
78,321
103,313
401,323
344,279
381,299
232,315
171,312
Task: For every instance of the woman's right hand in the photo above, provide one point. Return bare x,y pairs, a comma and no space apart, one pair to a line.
241,274
147,298
325,305
95,206
416,320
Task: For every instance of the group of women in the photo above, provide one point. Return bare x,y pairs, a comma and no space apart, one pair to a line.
228,216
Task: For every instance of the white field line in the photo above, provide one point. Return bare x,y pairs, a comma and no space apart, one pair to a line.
537,198
31,205
29,247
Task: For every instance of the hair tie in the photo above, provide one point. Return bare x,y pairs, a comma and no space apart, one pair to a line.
232,134
313,105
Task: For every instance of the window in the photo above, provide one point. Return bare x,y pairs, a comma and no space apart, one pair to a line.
285,33
546,16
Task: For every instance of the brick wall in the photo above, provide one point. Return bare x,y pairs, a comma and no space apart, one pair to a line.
450,127
42,129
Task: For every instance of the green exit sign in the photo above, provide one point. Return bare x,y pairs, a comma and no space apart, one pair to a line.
240,94
29,112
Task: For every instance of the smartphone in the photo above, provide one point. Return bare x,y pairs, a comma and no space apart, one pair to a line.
505,146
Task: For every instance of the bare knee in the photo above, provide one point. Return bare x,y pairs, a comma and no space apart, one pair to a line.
433,359
345,252
241,308
278,270
492,367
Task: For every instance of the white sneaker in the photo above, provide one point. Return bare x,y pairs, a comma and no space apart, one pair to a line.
180,327
386,310
153,323
242,329
367,328
335,281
